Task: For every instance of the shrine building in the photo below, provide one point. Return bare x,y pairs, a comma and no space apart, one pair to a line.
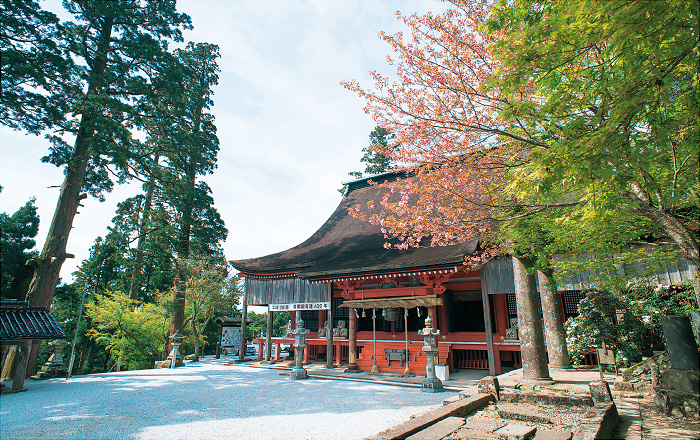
378,298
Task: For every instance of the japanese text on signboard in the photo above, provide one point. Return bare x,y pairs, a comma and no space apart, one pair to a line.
300,306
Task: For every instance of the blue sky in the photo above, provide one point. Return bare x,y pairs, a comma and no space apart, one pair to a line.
289,132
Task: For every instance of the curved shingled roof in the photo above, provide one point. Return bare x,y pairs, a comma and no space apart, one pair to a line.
345,245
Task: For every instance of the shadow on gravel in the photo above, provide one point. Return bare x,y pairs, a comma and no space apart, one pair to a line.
203,401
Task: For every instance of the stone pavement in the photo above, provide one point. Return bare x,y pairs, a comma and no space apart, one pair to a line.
639,419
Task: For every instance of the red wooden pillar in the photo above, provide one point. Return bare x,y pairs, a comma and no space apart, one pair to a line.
501,305
277,351
306,353
352,340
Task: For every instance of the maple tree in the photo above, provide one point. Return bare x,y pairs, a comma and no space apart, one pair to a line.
210,292
567,110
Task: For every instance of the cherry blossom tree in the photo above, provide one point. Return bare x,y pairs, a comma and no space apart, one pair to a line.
554,111
562,110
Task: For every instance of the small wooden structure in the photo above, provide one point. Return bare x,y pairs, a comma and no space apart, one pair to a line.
20,326
605,354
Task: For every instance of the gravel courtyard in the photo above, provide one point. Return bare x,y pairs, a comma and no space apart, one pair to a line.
206,400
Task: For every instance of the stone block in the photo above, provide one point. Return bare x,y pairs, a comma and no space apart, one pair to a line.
516,432
600,391
678,403
598,422
459,408
686,381
523,416
546,398
695,318
441,429
489,385
550,434
484,425
680,342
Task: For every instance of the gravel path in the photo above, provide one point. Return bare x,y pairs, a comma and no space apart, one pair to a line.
206,400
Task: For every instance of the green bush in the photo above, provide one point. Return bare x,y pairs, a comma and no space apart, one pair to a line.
630,316
129,329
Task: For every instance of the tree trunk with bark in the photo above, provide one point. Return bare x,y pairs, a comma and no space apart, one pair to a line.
656,212
177,320
48,264
143,231
532,348
553,322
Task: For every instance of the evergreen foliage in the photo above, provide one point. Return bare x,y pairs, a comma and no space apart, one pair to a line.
17,233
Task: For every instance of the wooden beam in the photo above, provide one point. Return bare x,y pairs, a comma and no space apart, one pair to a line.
406,302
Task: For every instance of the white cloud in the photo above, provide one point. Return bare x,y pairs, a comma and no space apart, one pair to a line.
289,132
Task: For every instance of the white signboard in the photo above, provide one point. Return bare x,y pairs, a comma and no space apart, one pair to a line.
300,306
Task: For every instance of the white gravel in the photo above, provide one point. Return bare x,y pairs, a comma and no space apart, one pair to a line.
206,400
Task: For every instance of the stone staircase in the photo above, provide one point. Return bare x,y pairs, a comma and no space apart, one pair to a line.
515,415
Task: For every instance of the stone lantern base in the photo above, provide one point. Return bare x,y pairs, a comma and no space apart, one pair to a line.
298,373
54,365
180,361
432,385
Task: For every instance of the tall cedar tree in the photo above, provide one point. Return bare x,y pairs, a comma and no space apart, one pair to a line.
192,153
111,42
376,156
158,113
17,233
36,71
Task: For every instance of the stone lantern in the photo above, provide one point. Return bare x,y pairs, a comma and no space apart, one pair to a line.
54,365
175,358
431,384
298,372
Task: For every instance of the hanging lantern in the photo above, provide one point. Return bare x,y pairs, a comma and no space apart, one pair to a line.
384,313
391,314
364,315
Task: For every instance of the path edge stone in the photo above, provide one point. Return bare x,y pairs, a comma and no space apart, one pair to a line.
460,408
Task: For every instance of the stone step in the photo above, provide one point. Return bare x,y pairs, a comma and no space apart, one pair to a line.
516,432
550,434
439,430
460,408
523,416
